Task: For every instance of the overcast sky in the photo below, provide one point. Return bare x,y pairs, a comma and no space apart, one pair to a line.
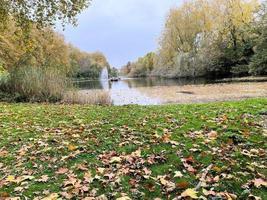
122,29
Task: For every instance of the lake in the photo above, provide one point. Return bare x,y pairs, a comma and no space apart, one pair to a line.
155,91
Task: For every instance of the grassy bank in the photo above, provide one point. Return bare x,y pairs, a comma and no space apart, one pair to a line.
136,152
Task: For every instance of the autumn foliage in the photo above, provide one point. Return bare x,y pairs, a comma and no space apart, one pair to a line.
211,38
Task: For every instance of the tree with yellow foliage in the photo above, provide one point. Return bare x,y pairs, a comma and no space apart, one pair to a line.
199,26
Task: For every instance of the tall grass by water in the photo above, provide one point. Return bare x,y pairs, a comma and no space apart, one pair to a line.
36,84
92,97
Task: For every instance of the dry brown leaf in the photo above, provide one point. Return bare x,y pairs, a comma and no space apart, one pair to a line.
62,171
260,182
53,196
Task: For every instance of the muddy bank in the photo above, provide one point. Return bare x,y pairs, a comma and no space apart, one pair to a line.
206,93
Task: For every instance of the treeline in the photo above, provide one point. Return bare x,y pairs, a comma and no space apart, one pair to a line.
37,64
209,38
87,65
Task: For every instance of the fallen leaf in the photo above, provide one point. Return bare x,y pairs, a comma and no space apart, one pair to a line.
18,189
115,159
62,171
178,174
260,182
170,186
100,170
137,153
53,196
207,193
11,178
124,198
182,185
72,147
190,193
44,178
213,135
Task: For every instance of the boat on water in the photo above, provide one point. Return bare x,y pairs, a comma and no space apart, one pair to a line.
114,79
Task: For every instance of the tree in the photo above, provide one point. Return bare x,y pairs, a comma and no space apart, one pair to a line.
198,26
42,13
258,65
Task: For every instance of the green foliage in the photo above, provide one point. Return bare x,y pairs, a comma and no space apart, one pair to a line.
91,72
113,72
142,67
87,65
258,64
42,13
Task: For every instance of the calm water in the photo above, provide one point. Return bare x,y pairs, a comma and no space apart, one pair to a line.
128,90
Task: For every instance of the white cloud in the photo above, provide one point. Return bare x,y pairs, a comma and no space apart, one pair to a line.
122,29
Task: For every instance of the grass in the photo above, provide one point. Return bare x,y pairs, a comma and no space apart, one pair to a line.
77,151
94,97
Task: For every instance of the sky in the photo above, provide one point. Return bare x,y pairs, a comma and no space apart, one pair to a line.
122,29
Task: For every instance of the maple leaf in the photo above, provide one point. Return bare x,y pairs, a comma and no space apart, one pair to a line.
11,178
101,197
3,153
124,198
170,186
81,167
100,170
178,174
44,178
254,197
53,196
72,147
166,137
213,135
182,185
115,160
18,189
88,177
62,171
190,193
260,182
207,193
136,153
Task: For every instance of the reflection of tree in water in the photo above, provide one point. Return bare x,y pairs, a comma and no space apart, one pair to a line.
90,84
150,82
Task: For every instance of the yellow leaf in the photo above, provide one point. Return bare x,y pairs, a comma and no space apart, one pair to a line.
124,198
190,193
178,174
53,196
11,179
115,160
72,147
137,153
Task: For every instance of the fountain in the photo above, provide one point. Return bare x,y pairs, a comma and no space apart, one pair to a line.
104,74
104,78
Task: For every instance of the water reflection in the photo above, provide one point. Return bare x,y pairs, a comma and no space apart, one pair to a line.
128,83
126,90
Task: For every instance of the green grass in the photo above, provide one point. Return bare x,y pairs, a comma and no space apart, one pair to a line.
37,140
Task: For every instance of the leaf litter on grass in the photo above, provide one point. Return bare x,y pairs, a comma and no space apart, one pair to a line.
210,151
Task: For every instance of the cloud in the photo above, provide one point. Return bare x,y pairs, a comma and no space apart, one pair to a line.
122,29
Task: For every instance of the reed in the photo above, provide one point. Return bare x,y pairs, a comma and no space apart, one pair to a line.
92,97
38,84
